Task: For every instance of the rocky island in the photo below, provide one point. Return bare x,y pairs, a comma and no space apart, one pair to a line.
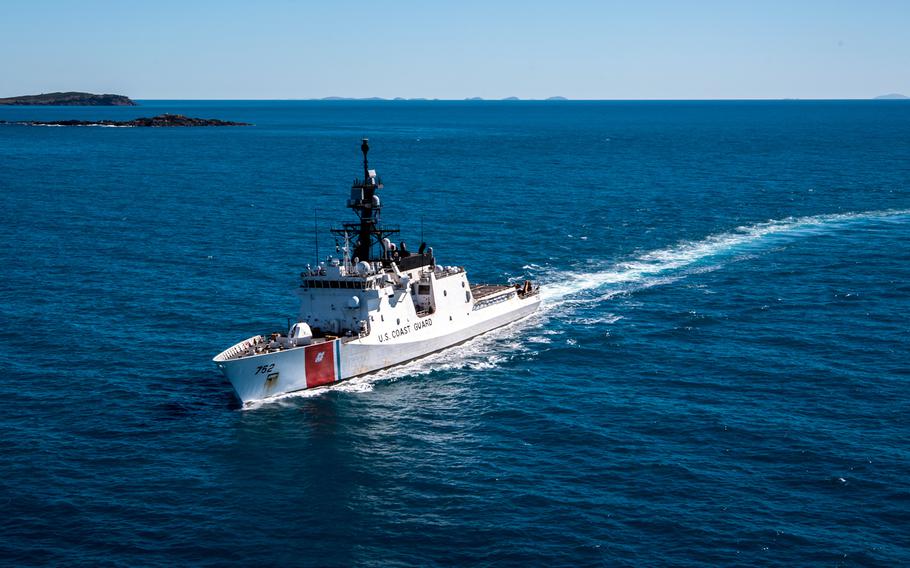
155,121
69,99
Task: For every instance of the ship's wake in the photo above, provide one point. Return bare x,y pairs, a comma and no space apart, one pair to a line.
673,263
565,291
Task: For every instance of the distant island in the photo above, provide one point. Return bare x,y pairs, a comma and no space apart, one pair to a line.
161,120
352,99
68,99
368,99
517,99
892,96
425,99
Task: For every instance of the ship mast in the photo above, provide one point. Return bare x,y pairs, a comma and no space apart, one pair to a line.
369,208
366,205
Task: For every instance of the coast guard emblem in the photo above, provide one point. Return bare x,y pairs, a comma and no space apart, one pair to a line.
320,364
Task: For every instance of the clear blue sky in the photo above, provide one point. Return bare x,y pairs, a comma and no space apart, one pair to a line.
575,48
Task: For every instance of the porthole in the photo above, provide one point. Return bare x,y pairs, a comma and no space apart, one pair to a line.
462,283
398,321
445,292
450,318
467,296
381,318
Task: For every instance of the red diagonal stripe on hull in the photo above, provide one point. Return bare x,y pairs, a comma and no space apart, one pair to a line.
320,364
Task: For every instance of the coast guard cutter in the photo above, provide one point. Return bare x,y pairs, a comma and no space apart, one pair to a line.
372,309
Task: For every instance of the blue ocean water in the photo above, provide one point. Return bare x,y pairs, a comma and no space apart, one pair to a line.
719,374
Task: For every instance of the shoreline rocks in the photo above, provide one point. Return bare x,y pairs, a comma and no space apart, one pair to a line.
162,120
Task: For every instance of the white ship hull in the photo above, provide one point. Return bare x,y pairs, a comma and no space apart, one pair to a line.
266,375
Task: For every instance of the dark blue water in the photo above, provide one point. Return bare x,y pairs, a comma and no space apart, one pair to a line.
720,373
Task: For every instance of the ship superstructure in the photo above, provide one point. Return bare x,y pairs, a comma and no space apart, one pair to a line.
375,306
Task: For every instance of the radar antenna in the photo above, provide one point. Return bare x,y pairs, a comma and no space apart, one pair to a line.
365,148
366,204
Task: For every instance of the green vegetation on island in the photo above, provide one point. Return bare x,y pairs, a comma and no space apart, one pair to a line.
69,99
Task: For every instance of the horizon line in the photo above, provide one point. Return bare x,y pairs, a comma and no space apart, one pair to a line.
515,99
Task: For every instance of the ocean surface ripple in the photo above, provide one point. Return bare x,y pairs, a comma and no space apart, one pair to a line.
718,374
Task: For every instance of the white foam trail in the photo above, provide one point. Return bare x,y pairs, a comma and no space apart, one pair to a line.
558,287
666,265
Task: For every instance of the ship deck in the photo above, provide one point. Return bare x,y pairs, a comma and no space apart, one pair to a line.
260,345
483,290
